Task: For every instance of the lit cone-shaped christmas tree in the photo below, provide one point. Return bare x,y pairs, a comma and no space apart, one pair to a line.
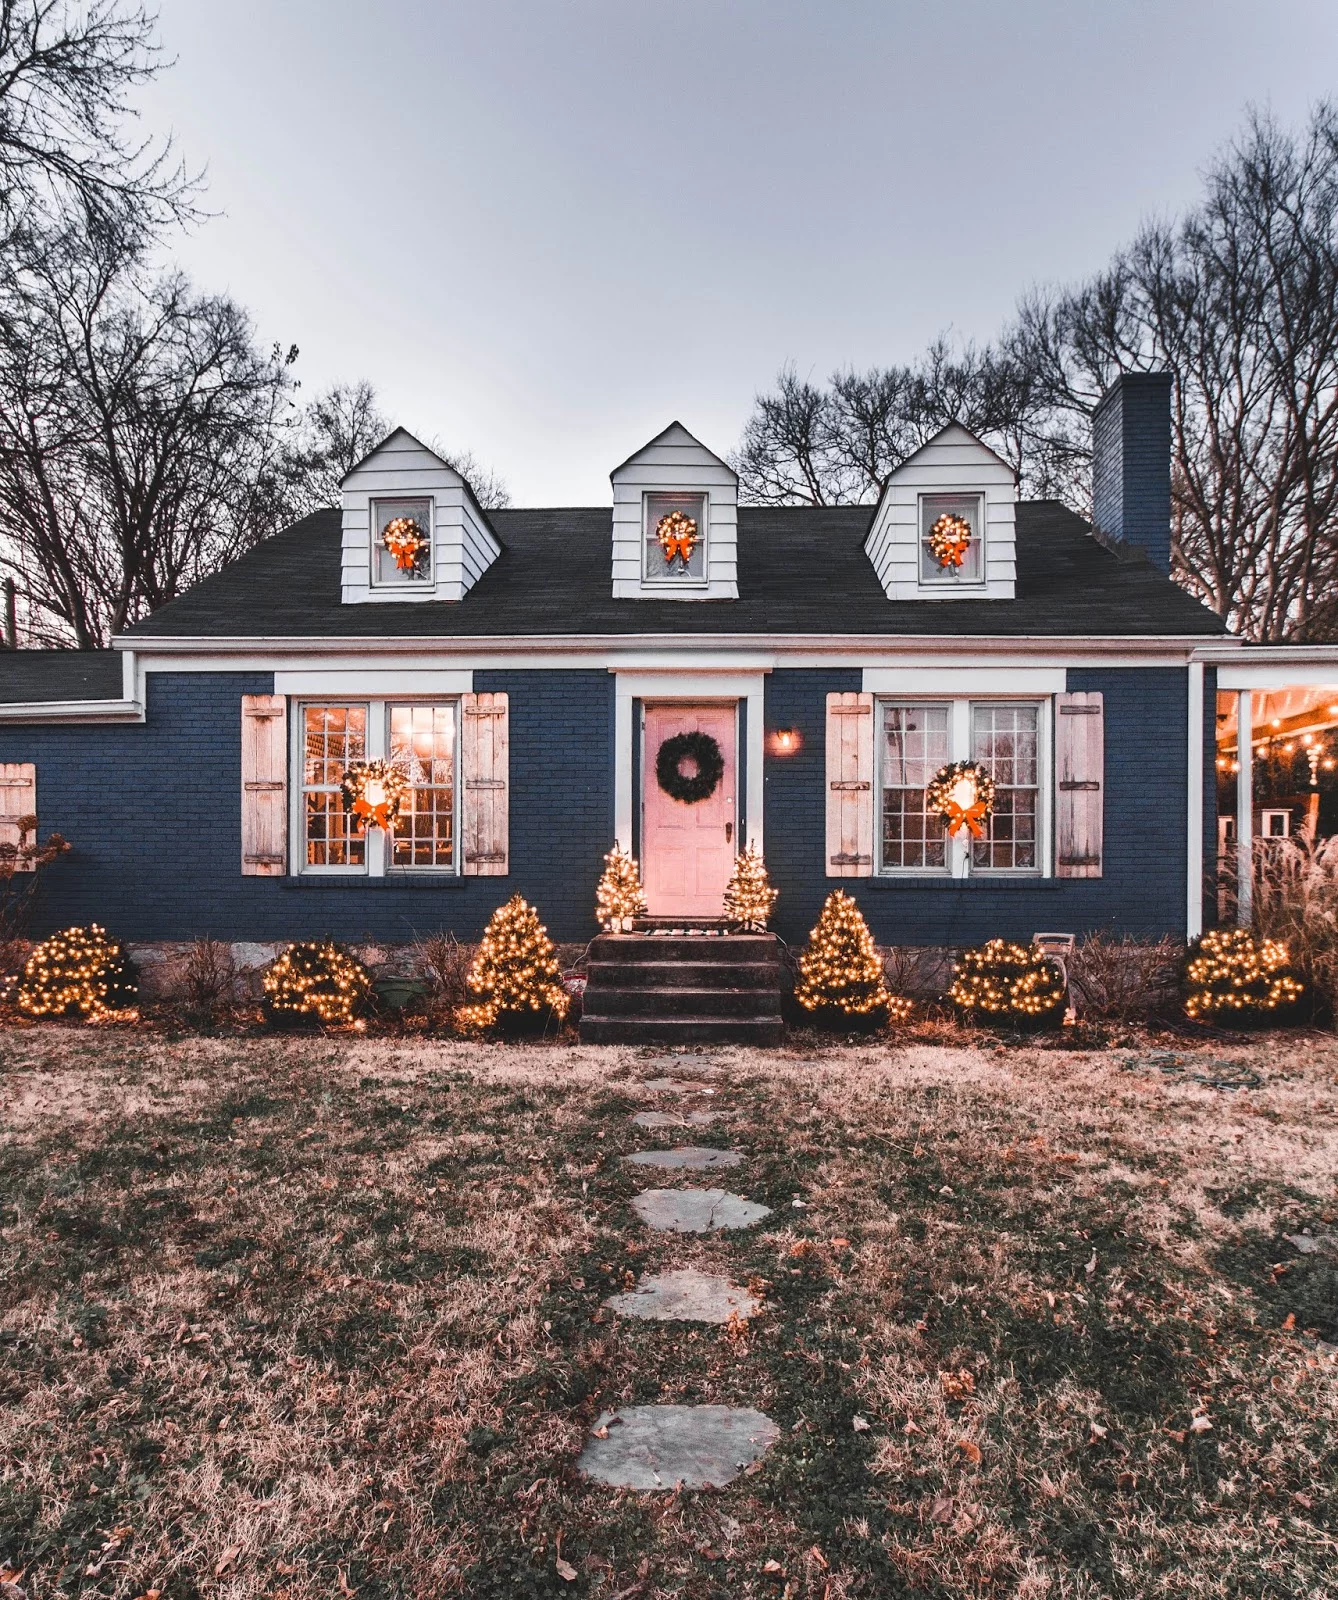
619,897
840,971
749,896
515,974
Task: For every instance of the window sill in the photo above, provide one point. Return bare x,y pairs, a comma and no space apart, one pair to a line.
360,880
941,885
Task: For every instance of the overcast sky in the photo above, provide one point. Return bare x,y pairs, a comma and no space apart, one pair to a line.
544,228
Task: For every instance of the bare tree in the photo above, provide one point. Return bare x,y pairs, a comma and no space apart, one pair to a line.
335,431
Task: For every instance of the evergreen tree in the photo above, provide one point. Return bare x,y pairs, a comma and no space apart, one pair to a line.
515,974
840,971
619,898
749,896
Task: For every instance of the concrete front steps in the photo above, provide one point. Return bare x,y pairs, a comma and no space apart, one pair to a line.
661,988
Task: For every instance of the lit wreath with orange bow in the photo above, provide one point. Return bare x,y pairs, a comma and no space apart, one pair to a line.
405,540
677,533
372,791
950,539
963,795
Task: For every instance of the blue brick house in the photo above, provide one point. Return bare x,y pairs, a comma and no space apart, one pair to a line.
810,670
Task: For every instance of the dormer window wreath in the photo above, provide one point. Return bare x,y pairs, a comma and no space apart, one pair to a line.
963,795
677,534
405,540
372,791
950,539
704,753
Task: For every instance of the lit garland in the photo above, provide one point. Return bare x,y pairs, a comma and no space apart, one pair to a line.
840,971
1229,972
80,971
372,791
406,541
619,897
963,795
515,973
1002,979
316,982
950,539
677,535
749,896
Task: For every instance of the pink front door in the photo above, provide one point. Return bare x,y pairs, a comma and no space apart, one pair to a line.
687,851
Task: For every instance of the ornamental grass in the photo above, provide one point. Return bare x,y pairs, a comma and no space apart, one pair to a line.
316,983
515,978
1232,976
77,972
1004,983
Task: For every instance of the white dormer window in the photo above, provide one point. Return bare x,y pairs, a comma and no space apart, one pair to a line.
676,531
952,541
401,542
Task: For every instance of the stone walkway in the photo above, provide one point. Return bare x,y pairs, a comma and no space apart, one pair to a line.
669,1446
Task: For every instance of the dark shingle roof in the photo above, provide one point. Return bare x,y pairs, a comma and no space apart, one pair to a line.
48,675
801,570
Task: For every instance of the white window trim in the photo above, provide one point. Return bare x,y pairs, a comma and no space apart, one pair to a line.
703,530
959,749
378,862
425,585
946,584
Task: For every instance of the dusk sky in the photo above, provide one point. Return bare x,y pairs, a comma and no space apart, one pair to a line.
544,228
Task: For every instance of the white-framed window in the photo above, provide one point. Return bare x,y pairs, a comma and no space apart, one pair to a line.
387,571
1010,739
952,515
421,738
675,514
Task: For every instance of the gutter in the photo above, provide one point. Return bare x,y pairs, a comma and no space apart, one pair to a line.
72,711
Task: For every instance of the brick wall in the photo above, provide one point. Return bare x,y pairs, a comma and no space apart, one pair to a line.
1131,463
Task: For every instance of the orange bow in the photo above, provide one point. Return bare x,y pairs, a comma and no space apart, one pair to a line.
374,816
953,554
967,817
681,545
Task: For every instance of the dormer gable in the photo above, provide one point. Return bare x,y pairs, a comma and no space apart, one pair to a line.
412,527
675,522
945,527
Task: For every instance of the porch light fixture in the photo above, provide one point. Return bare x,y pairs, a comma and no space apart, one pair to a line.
786,741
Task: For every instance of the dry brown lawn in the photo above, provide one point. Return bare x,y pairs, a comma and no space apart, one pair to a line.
322,1317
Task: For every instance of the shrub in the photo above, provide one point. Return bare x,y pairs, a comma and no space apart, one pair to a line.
24,861
316,982
1296,904
208,976
1005,982
1231,975
840,971
79,971
515,977
1123,980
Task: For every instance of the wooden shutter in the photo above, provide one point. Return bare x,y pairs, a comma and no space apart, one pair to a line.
849,785
264,785
18,798
485,766
1080,785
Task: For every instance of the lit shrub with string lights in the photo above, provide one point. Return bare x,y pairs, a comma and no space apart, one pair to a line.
1230,976
841,983
316,983
79,972
515,977
1007,984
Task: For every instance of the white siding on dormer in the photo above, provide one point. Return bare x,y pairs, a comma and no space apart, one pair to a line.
463,546
675,461
955,462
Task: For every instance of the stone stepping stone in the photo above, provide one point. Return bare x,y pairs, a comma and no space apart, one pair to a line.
674,1119
661,1447
696,1210
685,1296
690,1157
676,1086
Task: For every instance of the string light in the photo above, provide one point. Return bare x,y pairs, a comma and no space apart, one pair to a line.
515,974
619,898
372,791
1229,971
749,897
1001,979
79,970
677,535
840,971
406,541
950,539
316,981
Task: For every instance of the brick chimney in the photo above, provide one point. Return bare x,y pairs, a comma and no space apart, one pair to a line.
1131,465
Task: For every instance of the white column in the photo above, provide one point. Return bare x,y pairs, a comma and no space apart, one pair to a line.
623,733
1245,808
1194,832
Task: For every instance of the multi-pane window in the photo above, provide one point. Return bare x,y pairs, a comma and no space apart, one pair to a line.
952,539
675,538
422,745
917,739
333,737
406,556
915,746
1005,740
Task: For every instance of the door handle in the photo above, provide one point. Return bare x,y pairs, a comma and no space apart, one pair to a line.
729,832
